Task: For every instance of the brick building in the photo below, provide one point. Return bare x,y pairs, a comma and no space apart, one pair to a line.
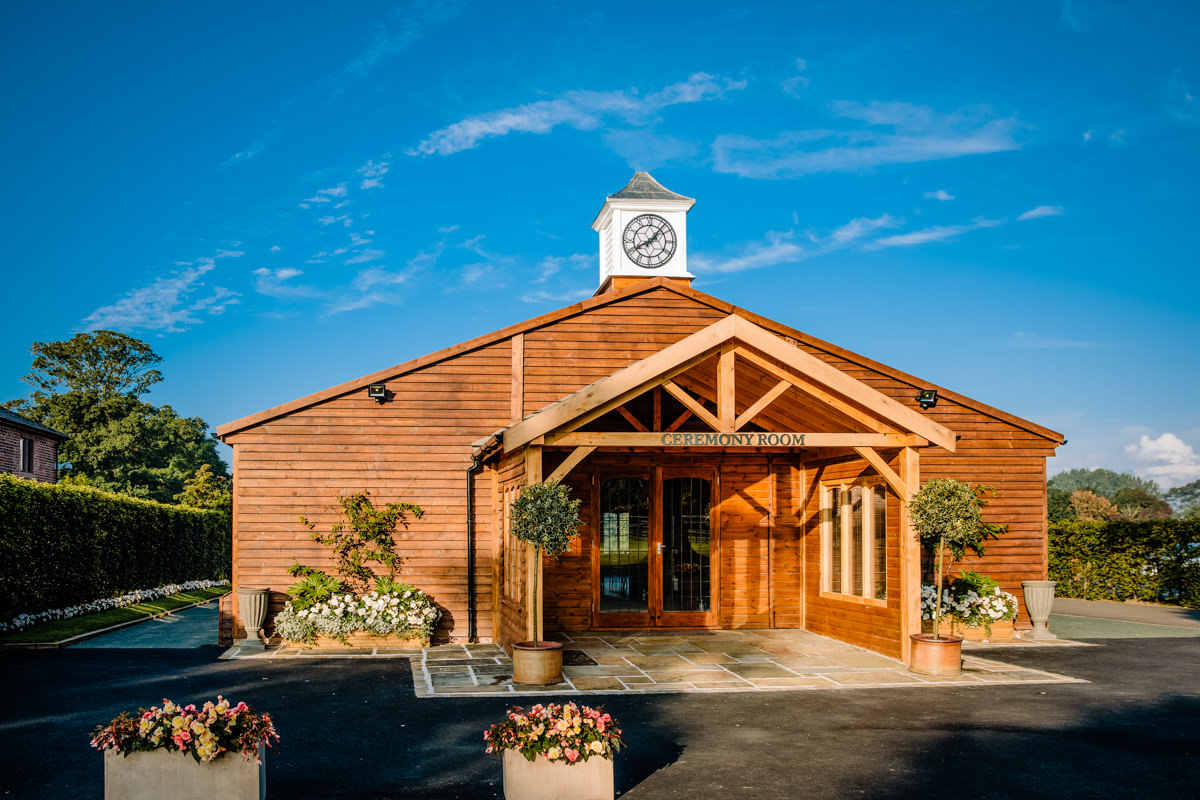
28,449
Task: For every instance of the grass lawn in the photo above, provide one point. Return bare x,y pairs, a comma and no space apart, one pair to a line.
57,630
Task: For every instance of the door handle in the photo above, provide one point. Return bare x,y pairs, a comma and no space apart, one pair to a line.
660,548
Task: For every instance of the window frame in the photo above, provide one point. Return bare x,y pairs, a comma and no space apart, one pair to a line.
844,536
27,455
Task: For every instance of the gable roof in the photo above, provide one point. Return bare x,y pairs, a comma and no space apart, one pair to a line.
12,418
654,370
644,287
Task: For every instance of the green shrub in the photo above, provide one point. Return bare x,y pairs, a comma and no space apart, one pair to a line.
64,545
1156,561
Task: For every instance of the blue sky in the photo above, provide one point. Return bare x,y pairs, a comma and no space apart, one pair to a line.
997,197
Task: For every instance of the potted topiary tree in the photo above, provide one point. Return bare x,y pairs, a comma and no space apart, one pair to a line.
545,517
948,518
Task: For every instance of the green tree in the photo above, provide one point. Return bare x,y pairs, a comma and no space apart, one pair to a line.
207,489
1138,506
1103,482
88,387
947,516
108,362
1185,500
1058,505
545,516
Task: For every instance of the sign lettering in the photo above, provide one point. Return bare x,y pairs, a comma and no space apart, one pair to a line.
708,439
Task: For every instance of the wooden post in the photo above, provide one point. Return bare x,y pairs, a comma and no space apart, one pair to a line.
533,614
910,555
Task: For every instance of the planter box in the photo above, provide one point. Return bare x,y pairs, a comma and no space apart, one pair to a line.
542,780
174,775
362,640
1001,631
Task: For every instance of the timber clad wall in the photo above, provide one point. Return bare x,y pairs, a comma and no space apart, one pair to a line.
417,446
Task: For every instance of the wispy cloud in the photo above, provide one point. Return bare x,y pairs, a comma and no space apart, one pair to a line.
325,196
278,283
1041,211
1179,101
167,304
937,233
796,84
644,149
405,25
1177,461
780,247
1040,341
372,174
940,194
891,133
584,110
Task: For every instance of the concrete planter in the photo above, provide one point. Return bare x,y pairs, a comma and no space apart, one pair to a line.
544,780
1039,600
934,656
175,775
537,663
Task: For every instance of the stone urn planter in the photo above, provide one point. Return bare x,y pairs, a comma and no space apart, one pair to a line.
252,608
932,655
1039,600
537,663
545,780
175,775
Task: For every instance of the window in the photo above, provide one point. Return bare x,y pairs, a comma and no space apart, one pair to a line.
26,454
513,560
854,539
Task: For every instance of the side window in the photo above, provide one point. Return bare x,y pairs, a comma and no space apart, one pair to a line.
854,539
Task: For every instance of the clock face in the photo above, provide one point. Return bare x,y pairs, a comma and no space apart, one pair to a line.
649,241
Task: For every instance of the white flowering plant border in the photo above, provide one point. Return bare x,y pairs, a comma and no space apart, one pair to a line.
22,621
408,613
969,608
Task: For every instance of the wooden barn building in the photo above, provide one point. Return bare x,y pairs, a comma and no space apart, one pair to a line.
733,472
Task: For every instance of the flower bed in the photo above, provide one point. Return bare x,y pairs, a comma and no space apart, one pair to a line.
127,599
566,733
407,613
204,733
971,605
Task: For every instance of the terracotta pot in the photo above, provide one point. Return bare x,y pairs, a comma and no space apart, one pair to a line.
935,656
544,780
537,663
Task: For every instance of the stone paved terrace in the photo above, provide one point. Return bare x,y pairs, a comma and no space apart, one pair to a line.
646,662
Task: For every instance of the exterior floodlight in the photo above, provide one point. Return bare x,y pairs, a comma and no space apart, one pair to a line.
927,398
377,392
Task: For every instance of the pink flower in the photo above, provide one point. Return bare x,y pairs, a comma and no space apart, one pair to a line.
572,755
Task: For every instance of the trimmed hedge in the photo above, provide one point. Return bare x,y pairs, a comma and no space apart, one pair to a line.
65,545
1157,561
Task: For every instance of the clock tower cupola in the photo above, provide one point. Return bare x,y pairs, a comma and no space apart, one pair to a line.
643,234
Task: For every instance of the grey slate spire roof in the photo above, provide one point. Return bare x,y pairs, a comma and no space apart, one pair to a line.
643,187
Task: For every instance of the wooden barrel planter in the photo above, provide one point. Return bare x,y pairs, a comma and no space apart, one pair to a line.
537,663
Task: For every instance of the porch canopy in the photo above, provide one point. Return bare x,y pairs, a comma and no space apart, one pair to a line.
750,389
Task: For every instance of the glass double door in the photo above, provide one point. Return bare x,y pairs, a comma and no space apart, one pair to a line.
656,549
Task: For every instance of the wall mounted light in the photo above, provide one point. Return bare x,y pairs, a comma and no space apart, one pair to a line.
927,398
377,392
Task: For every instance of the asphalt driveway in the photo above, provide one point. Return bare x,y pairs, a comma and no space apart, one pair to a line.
353,728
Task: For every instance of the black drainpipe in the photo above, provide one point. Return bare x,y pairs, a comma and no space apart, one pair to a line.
475,461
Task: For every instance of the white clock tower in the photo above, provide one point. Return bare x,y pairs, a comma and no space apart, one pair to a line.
643,234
